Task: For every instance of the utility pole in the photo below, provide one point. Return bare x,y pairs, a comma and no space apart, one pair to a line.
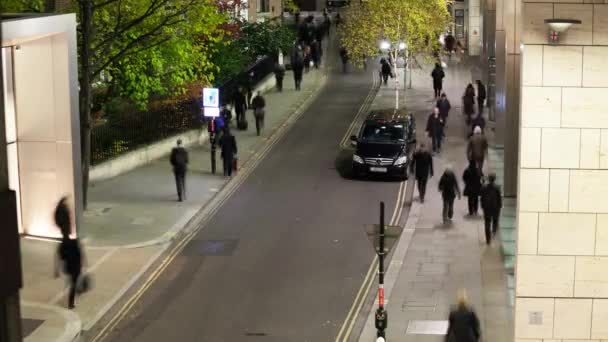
381,316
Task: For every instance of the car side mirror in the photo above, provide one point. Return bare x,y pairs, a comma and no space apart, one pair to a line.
353,140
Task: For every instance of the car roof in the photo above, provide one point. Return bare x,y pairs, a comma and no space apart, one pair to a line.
387,115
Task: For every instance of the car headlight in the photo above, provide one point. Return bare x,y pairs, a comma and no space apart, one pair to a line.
401,160
357,159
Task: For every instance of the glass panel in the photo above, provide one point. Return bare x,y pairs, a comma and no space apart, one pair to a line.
13,177
9,94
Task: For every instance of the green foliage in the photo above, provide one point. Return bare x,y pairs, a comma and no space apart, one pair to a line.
21,6
418,23
290,6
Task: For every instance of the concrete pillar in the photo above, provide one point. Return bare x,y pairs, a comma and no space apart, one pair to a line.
508,29
562,242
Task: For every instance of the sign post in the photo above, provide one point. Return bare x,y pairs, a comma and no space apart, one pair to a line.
383,239
211,109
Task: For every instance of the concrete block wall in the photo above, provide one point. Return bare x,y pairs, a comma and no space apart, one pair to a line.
562,243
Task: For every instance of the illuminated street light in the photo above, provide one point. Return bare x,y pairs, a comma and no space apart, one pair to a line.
385,45
402,46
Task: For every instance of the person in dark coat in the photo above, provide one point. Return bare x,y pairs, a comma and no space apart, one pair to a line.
491,203
463,324
472,186
444,107
297,65
226,114
179,161
422,166
481,97
259,111
478,121
228,147
345,58
450,43
437,74
240,104
468,102
279,74
434,128
448,186
385,70
69,257
315,52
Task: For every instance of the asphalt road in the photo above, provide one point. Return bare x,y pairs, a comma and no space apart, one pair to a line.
292,251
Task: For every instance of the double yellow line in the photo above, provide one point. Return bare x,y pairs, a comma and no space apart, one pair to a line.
202,218
353,313
366,103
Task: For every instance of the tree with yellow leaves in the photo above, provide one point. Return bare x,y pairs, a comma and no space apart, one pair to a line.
416,23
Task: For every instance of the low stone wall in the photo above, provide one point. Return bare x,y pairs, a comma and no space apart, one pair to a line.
147,154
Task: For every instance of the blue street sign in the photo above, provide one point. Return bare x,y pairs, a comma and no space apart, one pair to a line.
211,97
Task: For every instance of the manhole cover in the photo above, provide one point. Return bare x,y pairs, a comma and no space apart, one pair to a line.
212,247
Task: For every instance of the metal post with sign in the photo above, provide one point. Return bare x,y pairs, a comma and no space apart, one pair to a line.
211,109
383,239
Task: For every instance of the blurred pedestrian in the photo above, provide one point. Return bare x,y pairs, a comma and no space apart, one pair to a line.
491,203
279,74
463,324
385,70
478,121
448,186
437,74
434,129
226,113
179,161
315,51
345,58
422,167
69,256
468,102
477,148
240,104
259,111
481,97
444,108
450,42
338,19
229,151
297,65
307,58
472,186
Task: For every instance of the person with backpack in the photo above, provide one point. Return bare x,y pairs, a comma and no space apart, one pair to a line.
448,186
259,111
228,146
491,203
179,161
297,65
437,76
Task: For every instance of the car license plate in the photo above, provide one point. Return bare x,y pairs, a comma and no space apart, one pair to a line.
377,169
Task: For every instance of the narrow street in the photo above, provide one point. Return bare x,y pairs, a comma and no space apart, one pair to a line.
286,254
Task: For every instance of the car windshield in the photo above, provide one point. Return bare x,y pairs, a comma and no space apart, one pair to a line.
377,132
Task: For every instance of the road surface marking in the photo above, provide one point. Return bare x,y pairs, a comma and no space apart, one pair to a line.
368,100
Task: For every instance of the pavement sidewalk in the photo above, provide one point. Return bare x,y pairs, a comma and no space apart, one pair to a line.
132,220
432,260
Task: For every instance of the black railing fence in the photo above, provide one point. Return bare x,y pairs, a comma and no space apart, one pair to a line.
114,137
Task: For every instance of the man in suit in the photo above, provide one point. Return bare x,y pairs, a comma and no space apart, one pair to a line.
179,161
422,166
229,150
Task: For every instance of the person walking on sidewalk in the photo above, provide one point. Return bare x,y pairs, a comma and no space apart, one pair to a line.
69,253
468,102
437,74
422,166
448,186
472,187
434,129
240,104
385,70
491,203
345,58
477,148
229,150
297,65
463,324
444,108
481,97
480,122
279,74
179,161
259,111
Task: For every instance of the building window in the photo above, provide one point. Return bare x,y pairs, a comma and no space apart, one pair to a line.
263,6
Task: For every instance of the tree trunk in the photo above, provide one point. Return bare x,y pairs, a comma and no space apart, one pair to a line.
86,11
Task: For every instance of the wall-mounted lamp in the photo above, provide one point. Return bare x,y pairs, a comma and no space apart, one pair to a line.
557,26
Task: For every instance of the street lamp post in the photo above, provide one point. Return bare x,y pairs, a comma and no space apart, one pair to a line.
381,316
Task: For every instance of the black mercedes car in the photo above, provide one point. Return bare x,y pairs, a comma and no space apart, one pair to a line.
383,144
